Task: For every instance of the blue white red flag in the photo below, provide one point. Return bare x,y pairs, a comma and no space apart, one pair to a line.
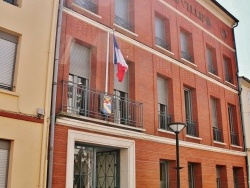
122,66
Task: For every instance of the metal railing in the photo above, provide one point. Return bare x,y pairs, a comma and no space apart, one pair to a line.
229,78
163,120
81,101
191,128
87,5
123,23
161,43
217,134
186,56
234,138
212,69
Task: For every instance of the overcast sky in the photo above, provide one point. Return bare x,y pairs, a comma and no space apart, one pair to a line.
241,10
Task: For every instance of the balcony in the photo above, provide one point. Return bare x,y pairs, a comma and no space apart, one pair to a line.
217,134
234,138
123,23
191,128
163,120
87,5
161,43
212,70
78,100
186,56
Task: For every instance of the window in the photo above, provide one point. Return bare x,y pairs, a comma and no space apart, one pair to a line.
164,117
8,46
215,109
13,2
232,124
164,174
218,178
96,166
162,32
78,84
194,175
121,102
238,177
87,4
4,161
124,14
228,70
186,45
191,125
211,60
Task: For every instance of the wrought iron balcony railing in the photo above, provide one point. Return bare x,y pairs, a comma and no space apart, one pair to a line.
229,78
81,101
234,138
124,23
217,134
161,43
87,4
163,120
191,128
186,56
212,69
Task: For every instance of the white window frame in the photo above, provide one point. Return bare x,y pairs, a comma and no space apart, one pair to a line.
4,161
127,155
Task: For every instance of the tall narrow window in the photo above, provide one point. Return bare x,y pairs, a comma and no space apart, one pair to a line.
4,161
232,124
164,117
211,60
191,175
228,70
217,132
186,45
121,98
218,177
164,174
87,4
162,32
8,46
236,177
124,13
191,125
78,85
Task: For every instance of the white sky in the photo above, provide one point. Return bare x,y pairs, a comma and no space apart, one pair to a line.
240,10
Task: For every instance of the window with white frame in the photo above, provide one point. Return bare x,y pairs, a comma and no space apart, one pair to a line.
211,60
124,14
4,161
215,106
186,45
78,83
8,48
164,174
162,91
162,32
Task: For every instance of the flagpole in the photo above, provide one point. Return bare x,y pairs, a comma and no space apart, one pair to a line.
107,64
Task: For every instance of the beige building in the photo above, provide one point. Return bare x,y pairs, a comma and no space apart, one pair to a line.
27,40
245,98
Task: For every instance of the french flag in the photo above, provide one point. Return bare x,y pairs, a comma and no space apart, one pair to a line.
119,60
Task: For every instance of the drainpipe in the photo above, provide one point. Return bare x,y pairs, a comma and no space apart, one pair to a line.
241,109
54,93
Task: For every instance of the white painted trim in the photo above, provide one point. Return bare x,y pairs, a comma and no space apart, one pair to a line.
132,33
230,84
189,62
214,75
7,92
221,143
193,137
236,146
165,131
126,146
164,49
146,48
73,123
86,10
196,24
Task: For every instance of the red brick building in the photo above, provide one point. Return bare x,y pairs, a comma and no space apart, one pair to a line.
181,68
